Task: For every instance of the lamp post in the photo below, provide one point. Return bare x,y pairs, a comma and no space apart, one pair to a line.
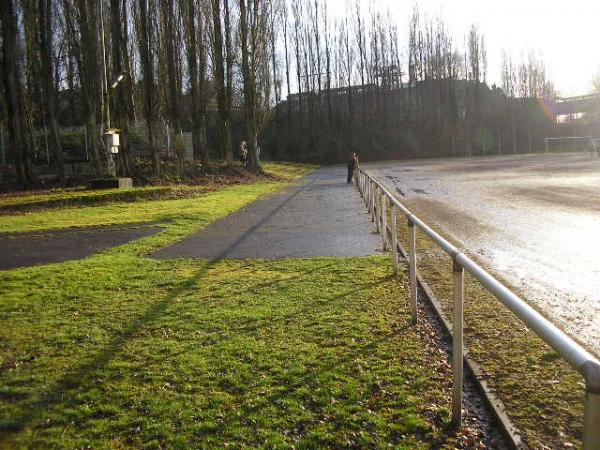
112,134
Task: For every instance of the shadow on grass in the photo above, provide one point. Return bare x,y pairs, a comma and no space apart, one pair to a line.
76,377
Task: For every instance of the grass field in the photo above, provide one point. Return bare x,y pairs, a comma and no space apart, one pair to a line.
67,211
123,351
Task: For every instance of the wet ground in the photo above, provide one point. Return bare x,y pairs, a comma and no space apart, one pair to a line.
52,246
319,216
533,220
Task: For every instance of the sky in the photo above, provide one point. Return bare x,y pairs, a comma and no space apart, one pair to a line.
566,34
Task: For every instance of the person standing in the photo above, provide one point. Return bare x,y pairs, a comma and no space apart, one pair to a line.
352,164
244,153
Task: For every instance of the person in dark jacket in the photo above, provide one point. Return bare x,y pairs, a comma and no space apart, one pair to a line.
352,164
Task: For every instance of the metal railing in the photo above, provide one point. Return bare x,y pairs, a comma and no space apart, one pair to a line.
378,198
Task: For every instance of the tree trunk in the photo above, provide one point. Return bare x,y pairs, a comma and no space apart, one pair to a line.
196,58
14,92
249,92
121,116
47,63
221,83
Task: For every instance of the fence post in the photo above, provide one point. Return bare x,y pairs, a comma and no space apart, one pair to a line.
371,198
412,263
377,203
591,427
360,183
384,221
368,194
394,242
458,274
591,433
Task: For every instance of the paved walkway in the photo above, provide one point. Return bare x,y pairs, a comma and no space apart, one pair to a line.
319,216
52,246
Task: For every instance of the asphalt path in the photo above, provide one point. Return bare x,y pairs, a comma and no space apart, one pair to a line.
320,215
52,246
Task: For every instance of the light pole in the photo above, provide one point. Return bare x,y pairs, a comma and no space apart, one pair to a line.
112,134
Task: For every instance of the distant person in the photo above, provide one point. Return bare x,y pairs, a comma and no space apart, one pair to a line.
244,153
352,165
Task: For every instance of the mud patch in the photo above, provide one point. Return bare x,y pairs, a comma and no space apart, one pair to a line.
453,221
561,197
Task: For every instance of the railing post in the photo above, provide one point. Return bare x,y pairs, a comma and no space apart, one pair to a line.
591,427
384,221
376,208
458,273
591,424
412,263
394,242
371,208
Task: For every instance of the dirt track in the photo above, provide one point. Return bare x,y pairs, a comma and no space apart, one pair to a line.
534,220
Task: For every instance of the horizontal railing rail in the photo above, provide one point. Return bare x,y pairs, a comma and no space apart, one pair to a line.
378,198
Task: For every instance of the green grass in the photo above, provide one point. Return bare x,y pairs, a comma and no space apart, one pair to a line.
543,394
202,207
205,207
81,196
287,170
123,351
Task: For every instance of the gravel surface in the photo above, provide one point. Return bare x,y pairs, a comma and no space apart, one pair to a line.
534,220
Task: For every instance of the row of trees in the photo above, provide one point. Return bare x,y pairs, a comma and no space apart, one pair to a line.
165,61
219,68
362,86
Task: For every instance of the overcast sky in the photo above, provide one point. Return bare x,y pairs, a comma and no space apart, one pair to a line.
565,33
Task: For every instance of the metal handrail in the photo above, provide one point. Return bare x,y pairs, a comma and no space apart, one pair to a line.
377,196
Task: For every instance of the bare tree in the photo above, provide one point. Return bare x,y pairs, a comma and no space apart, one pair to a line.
509,86
223,72
81,19
145,37
253,25
46,47
121,69
13,88
194,26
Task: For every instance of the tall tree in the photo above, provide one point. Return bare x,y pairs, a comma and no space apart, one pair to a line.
14,93
254,40
223,72
46,47
82,19
145,36
119,66
195,35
